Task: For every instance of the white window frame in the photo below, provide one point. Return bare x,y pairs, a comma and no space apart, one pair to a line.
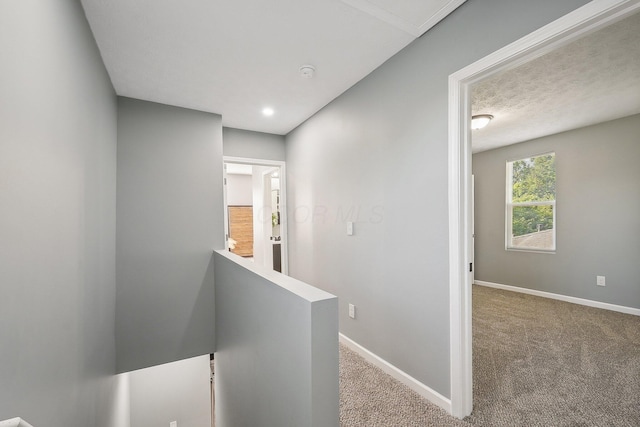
509,205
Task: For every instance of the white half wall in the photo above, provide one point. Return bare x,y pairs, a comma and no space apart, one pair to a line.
277,348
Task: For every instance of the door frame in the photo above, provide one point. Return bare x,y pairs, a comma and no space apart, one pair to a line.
586,19
283,202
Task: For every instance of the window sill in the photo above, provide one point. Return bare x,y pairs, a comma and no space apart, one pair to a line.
532,250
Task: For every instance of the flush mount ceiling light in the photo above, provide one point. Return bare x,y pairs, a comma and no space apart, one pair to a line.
268,111
307,71
480,120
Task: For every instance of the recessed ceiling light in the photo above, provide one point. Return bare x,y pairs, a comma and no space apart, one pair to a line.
481,120
268,111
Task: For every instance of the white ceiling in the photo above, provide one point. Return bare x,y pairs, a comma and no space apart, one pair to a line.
236,57
591,80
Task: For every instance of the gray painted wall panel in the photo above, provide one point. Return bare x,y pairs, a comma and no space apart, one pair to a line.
170,218
277,348
377,155
598,206
253,145
178,391
57,218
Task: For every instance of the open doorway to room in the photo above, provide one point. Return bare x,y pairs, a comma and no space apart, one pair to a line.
557,35
572,107
255,214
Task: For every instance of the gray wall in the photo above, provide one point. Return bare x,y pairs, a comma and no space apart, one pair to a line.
170,218
381,147
253,145
277,348
598,204
178,391
57,218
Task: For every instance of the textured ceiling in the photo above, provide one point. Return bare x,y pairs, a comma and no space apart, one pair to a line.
236,57
591,80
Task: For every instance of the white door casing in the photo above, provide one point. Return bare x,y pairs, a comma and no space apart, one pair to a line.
263,168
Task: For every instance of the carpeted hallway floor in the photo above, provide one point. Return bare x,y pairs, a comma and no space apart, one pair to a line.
371,398
537,362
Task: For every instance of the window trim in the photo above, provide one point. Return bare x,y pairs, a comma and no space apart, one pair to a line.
509,205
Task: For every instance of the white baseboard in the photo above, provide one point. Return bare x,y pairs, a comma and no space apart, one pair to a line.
581,301
406,379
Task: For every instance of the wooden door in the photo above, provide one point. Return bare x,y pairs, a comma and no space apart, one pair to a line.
241,229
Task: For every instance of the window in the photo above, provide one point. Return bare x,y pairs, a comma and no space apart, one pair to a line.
531,203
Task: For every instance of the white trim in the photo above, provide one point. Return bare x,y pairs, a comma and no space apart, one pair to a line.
540,203
406,379
560,297
590,17
440,15
400,23
251,161
225,206
283,201
384,16
461,369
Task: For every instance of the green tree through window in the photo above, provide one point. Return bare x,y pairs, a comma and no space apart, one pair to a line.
531,203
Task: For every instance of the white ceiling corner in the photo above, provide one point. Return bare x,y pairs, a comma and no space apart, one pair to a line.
384,15
413,17
439,15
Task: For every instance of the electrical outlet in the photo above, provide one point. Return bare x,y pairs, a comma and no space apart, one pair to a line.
173,424
352,311
600,281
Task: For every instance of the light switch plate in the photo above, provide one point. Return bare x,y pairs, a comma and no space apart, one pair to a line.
349,228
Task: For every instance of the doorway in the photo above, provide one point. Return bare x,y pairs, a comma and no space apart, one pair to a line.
255,211
582,21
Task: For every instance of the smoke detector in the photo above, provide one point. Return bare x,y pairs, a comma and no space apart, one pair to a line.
307,71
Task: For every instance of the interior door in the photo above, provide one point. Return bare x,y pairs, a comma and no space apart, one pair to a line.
241,230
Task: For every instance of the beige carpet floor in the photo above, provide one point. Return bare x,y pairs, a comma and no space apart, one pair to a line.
371,398
537,362
542,362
